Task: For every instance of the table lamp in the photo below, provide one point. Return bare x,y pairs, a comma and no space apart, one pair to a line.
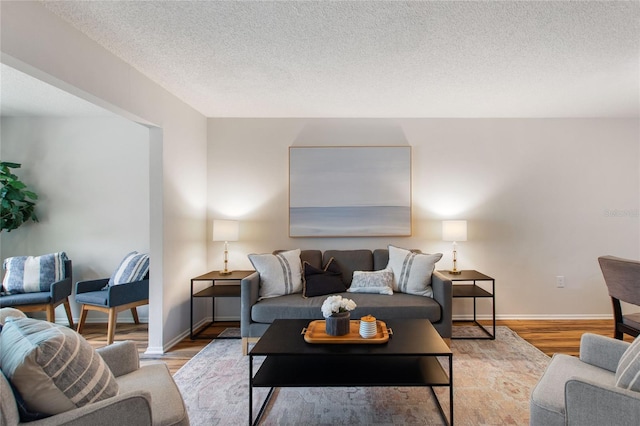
226,230
454,230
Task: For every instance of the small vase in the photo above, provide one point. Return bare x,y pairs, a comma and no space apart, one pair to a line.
338,324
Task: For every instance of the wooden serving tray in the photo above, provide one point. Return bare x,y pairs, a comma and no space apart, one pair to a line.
316,333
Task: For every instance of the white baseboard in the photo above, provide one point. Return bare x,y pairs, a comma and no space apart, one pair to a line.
534,317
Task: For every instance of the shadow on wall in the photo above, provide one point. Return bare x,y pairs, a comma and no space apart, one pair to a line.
356,132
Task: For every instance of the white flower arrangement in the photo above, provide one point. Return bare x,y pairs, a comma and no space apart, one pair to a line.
334,304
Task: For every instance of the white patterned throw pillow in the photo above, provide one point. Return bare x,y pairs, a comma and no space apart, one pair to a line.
412,271
134,267
377,282
32,274
628,371
280,273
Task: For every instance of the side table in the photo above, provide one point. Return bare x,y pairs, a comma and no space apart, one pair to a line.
214,291
474,291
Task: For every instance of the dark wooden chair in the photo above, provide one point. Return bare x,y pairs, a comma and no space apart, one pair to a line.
622,277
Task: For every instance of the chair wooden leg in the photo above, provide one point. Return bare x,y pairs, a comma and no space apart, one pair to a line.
67,308
83,318
134,313
51,313
111,328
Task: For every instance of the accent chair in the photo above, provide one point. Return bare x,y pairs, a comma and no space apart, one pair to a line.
57,294
601,387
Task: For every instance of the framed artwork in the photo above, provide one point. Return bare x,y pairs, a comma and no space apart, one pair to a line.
350,191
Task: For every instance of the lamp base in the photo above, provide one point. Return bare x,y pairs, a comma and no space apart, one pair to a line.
454,272
225,272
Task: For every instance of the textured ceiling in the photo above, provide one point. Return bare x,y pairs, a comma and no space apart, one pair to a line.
378,59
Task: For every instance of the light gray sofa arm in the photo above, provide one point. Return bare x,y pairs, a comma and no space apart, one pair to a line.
590,403
249,290
601,351
131,408
443,294
122,357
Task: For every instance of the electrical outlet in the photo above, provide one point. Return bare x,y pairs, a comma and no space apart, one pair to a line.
560,281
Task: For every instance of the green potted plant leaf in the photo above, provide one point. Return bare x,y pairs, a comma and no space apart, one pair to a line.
17,202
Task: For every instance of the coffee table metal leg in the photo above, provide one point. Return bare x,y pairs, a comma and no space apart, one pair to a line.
264,404
250,390
438,404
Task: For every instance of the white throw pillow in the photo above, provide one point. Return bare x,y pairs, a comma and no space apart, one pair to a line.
377,282
412,271
280,273
628,371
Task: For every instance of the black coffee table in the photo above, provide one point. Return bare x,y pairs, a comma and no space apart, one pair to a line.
407,359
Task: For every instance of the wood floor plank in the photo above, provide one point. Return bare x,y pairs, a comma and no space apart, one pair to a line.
550,336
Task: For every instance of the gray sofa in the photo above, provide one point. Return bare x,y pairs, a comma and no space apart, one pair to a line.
148,396
256,316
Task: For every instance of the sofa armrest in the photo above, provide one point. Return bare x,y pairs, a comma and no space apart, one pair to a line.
130,408
61,289
443,294
601,351
122,294
590,403
249,291
121,358
91,285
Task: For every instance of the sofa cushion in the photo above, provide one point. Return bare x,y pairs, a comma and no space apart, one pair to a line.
280,273
412,271
377,282
32,274
398,306
628,371
319,282
20,299
134,267
349,261
53,368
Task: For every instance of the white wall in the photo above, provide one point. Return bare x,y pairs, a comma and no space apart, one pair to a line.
92,180
35,41
543,197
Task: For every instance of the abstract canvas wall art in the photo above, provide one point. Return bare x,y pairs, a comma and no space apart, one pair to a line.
350,191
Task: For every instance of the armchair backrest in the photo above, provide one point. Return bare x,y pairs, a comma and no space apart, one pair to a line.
622,277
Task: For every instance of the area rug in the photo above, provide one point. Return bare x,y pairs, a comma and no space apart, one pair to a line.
492,383
230,333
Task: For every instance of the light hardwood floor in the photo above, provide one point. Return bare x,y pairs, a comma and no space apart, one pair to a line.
561,336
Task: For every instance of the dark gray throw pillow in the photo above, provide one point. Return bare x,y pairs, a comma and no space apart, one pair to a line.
318,282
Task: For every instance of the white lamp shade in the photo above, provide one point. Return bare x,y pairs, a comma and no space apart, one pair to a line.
226,230
454,230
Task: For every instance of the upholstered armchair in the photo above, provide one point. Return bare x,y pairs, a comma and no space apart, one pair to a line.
141,395
127,289
601,387
57,293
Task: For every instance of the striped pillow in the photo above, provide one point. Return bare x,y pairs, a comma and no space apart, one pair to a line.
52,367
32,274
134,267
412,271
280,273
628,371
